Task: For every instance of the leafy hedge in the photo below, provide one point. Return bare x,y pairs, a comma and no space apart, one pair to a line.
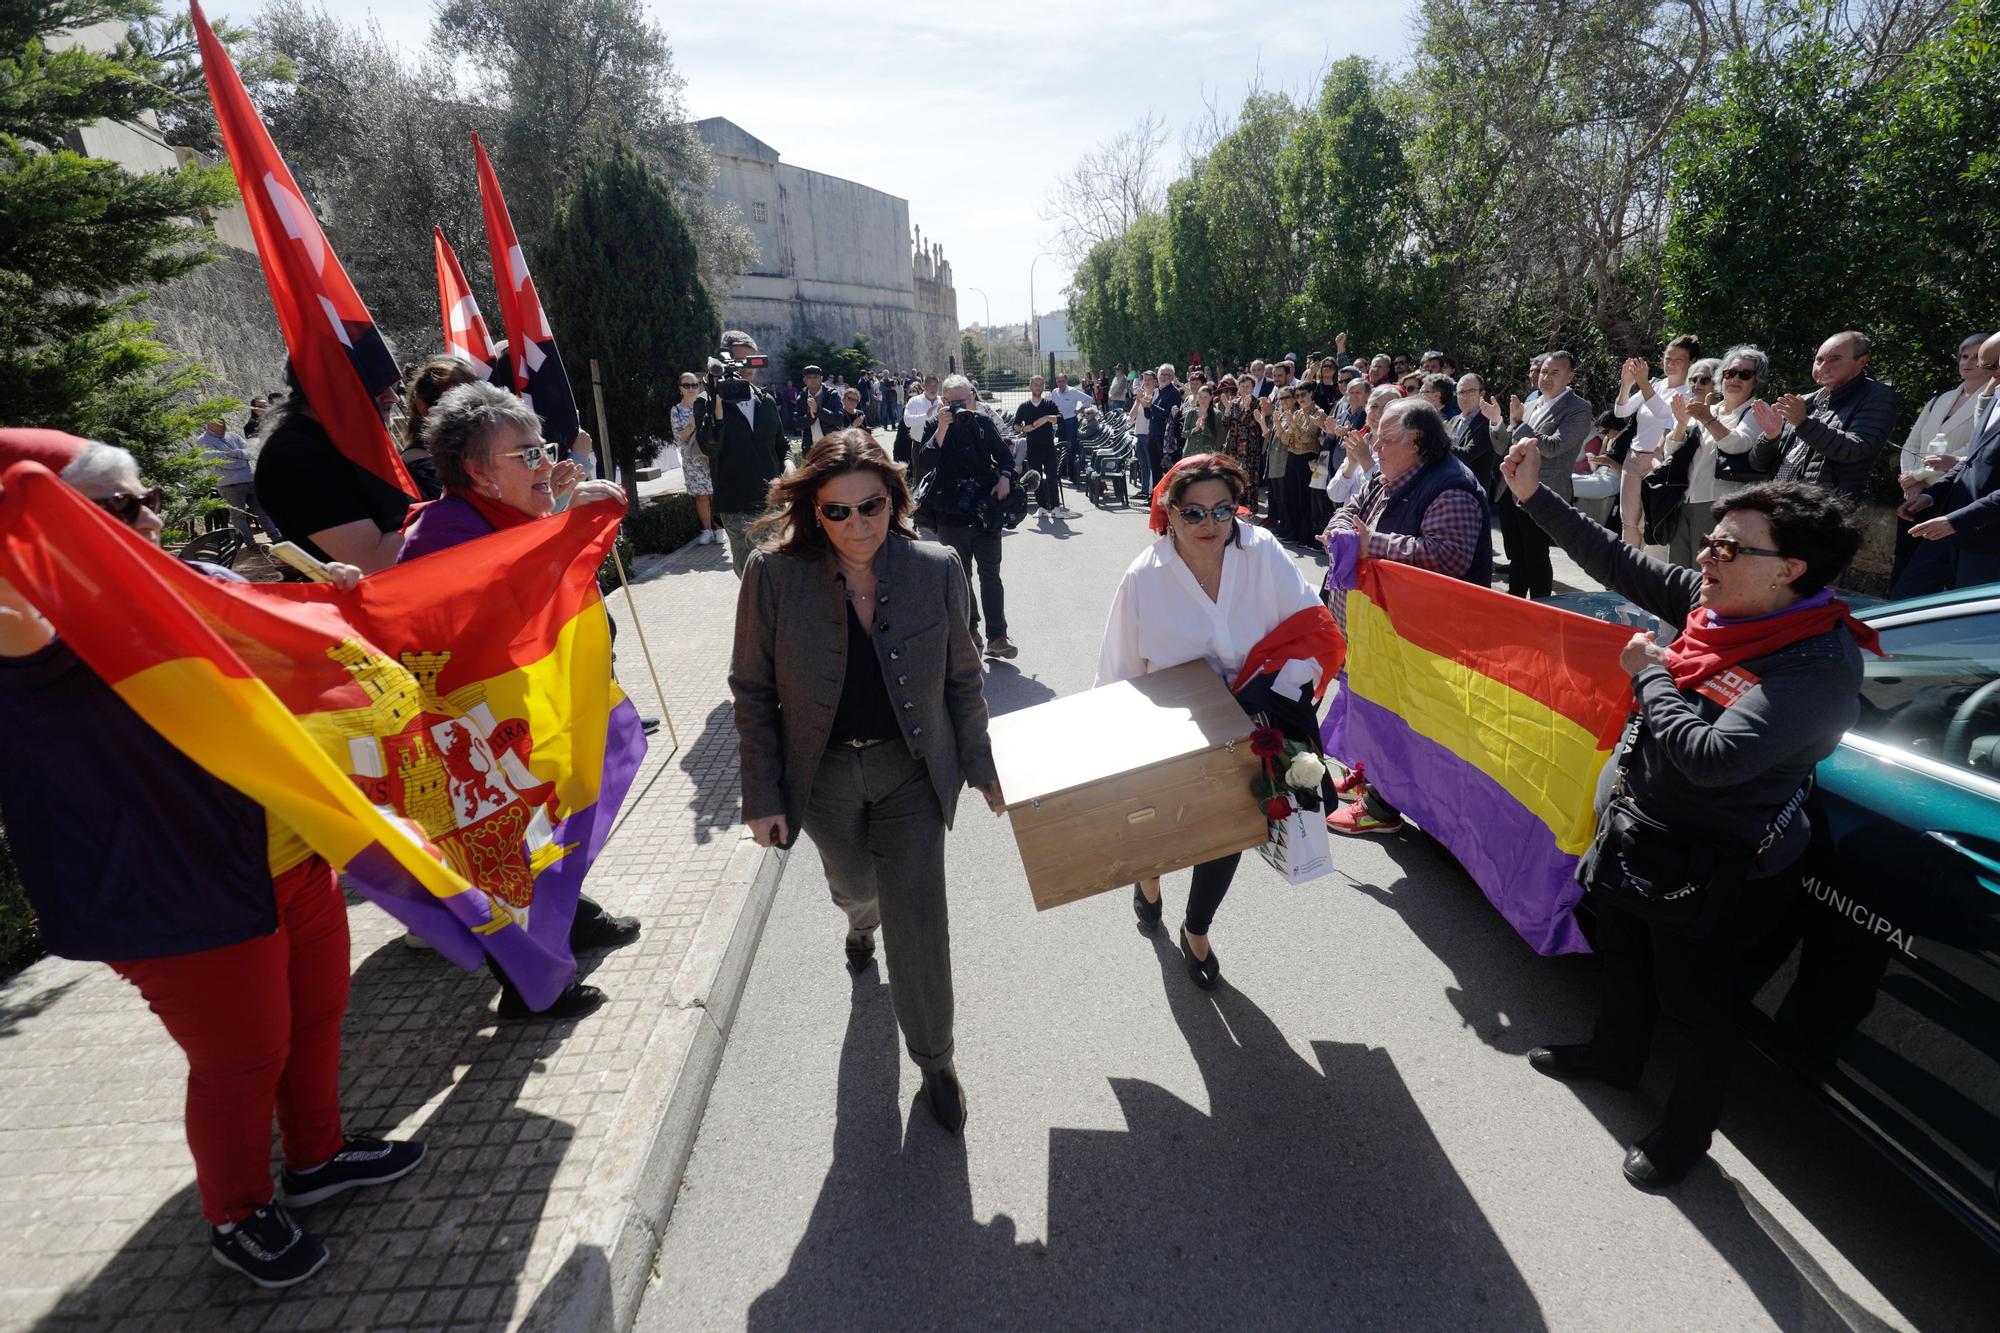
663,526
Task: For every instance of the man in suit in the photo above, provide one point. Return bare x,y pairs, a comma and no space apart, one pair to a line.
818,411
1967,502
745,444
1557,423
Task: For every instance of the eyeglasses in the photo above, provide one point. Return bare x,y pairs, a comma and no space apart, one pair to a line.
1737,373
839,513
1193,515
125,506
1726,549
532,456
690,384
1701,379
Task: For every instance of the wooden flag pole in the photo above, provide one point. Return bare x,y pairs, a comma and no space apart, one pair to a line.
618,562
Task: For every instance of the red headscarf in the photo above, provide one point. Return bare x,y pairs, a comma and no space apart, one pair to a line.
1157,519
28,444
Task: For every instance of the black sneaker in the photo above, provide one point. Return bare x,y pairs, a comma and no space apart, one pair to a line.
269,1248
359,1162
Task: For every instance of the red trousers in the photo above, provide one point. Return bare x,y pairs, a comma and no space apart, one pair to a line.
260,1025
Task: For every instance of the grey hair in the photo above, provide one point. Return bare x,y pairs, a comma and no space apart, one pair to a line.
955,382
98,465
1468,375
1708,366
1167,368
736,338
1384,393
1754,355
1972,340
461,426
1433,439
1858,343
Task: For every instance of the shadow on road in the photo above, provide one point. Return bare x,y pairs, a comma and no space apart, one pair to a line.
1306,1196
1893,1234
709,760
456,1232
1008,690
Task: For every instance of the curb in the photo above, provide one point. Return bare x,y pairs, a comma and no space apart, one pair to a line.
616,1237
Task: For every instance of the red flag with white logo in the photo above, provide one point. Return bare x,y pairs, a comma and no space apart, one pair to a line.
465,332
531,344
336,351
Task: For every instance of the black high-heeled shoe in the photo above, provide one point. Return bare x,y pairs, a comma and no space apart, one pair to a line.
1205,972
1147,912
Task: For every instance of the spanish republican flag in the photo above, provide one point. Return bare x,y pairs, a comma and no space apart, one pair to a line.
448,735
465,333
1487,719
336,351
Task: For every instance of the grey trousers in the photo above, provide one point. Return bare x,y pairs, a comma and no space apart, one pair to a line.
738,528
874,816
241,497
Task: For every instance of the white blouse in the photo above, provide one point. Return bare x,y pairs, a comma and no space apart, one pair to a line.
1937,418
1161,618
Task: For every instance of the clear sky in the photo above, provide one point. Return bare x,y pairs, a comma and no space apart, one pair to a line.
965,118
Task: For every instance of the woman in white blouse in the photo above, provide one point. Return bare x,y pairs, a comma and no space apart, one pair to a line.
1731,453
1950,415
1210,587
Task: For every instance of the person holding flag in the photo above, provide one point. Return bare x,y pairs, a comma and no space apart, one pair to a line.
497,473
233,930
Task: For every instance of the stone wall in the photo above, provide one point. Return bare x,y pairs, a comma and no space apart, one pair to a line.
220,315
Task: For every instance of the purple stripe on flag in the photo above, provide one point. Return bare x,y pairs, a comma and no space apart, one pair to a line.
1509,853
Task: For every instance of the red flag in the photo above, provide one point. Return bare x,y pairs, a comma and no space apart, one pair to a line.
337,353
531,345
464,327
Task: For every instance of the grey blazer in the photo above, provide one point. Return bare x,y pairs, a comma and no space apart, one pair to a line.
1561,429
791,657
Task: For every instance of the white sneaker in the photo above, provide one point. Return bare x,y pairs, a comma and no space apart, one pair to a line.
707,537
1065,512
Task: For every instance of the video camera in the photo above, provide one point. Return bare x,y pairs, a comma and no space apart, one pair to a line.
725,376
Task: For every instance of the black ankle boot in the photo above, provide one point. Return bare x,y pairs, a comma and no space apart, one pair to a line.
945,1098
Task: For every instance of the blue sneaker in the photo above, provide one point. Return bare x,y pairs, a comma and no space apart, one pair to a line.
269,1247
359,1162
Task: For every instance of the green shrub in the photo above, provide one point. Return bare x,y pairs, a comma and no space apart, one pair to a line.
663,525
20,942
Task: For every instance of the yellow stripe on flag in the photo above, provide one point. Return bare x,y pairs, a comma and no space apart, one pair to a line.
1545,761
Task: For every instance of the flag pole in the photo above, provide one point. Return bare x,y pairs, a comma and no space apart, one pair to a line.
618,562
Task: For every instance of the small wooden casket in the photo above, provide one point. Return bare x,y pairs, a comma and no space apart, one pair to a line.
1127,781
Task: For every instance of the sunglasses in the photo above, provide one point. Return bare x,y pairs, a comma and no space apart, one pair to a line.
125,506
1701,379
839,513
1194,514
1734,373
532,456
1726,549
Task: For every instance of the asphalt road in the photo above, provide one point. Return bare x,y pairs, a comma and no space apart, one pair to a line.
1344,1134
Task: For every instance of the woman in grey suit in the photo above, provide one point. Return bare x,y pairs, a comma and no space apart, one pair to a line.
860,714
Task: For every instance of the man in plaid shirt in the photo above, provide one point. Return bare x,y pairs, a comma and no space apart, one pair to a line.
1423,508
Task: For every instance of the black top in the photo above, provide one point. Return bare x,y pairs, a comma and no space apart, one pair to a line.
307,485
1030,416
865,713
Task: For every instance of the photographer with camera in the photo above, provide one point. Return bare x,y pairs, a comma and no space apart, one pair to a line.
743,436
967,473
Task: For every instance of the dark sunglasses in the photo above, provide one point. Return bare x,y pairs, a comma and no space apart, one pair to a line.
1726,549
125,506
1194,514
838,513
1701,379
1735,373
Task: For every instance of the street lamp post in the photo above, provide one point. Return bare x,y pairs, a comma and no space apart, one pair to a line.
1034,317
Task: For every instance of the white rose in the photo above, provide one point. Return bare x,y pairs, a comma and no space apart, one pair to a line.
1305,771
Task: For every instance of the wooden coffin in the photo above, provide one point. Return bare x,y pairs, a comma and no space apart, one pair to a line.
1127,781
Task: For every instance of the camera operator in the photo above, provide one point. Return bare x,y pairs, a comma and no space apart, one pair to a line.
744,438
970,470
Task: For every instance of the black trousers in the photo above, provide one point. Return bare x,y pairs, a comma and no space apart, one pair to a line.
1211,886
1296,487
1651,974
1042,458
1072,462
975,544
1530,572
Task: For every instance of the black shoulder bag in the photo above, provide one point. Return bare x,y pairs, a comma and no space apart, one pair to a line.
1681,879
1663,491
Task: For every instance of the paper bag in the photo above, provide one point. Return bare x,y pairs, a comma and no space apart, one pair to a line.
1298,847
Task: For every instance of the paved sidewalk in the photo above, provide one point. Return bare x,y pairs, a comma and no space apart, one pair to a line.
555,1150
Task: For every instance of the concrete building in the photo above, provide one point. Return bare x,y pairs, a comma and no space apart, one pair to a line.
833,259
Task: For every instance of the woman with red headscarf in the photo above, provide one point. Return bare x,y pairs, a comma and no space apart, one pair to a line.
1212,586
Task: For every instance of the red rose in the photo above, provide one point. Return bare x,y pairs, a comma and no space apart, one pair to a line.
1277,808
1267,742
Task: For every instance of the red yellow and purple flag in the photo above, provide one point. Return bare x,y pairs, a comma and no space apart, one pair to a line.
1487,720
539,377
336,351
465,332
448,735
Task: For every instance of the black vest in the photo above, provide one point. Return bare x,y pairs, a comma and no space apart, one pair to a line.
1404,515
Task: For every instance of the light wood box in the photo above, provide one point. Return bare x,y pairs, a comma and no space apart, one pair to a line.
1127,781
